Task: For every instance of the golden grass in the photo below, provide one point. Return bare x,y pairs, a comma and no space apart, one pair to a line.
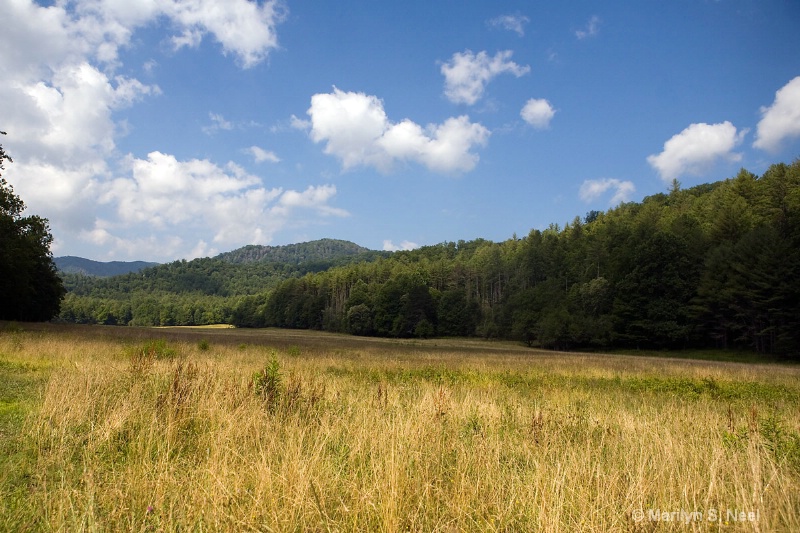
124,433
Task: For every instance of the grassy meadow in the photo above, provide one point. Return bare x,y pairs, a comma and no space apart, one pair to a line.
127,429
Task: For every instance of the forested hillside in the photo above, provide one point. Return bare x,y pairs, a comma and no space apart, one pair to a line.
201,291
712,265
323,252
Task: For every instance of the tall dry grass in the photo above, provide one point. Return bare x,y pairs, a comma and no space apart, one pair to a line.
142,435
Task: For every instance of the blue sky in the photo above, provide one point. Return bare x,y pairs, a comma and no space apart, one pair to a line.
166,129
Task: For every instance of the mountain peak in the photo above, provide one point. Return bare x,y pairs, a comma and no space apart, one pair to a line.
304,252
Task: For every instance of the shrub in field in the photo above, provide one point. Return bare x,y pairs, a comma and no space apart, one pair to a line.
142,357
267,383
289,394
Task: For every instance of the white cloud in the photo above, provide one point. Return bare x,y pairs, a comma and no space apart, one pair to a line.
299,123
59,88
696,149
201,249
244,28
591,29
260,155
467,74
179,199
164,191
781,120
62,136
312,198
355,128
218,122
389,246
538,113
515,23
60,94
96,29
69,116
591,190
150,247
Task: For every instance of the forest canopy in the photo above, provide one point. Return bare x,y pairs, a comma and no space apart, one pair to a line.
716,265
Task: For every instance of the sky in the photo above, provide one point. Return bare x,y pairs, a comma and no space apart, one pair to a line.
173,129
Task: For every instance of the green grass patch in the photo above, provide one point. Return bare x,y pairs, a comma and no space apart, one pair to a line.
728,356
532,381
20,390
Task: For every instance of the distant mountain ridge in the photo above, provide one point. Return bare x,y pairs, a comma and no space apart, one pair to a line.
78,265
322,250
206,289
318,255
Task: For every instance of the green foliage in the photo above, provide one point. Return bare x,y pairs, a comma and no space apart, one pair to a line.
267,383
360,320
20,386
230,288
651,303
159,349
783,442
29,284
142,357
715,265
316,255
457,316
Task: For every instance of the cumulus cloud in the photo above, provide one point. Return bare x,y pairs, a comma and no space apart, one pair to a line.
591,190
515,23
591,29
182,198
244,28
696,149
69,116
389,246
59,84
62,136
60,93
538,113
260,155
315,198
467,74
98,28
356,129
781,120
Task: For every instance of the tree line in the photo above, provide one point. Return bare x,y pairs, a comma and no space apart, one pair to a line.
203,291
716,265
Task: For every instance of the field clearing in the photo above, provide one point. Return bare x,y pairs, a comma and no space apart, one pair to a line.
212,429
